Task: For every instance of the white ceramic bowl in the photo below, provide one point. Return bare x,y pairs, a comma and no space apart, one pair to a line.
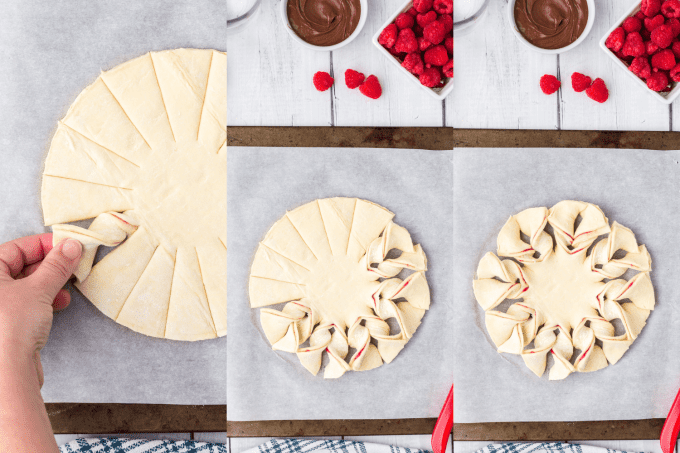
437,93
465,26
239,23
666,98
513,26
286,24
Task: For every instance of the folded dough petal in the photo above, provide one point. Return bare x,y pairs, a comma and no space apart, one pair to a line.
530,222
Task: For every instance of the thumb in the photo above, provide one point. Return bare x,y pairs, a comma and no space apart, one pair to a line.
57,267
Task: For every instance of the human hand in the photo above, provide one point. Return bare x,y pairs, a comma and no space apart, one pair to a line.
32,276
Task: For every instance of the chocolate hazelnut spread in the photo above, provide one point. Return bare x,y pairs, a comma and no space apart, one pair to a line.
551,24
324,22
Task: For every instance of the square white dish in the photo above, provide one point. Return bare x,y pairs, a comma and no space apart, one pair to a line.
666,98
437,93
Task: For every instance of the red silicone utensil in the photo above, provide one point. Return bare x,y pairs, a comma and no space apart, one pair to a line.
671,427
442,429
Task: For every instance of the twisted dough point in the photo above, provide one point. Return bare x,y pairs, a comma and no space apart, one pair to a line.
109,229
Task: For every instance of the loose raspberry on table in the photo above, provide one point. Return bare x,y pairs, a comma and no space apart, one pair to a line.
657,81
650,7
435,32
447,20
633,46
651,48
413,63
675,73
616,39
423,6
424,19
665,59
448,69
322,81
406,41
436,56
448,43
632,24
675,26
446,6
652,22
580,82
640,67
423,44
353,79
598,91
670,8
662,36
404,20
371,87
549,84
388,37
431,77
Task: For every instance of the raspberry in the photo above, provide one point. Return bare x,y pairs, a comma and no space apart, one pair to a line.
671,8
448,69
447,20
436,56
353,78
448,43
598,91
633,46
640,67
388,37
616,39
675,73
632,24
579,82
676,48
371,87
675,26
646,34
663,60
657,81
412,11
651,48
549,84
423,44
652,23
395,53
430,77
406,41
423,6
404,20
418,30
413,63
445,6
640,15
435,32
662,36
424,19
650,7
322,81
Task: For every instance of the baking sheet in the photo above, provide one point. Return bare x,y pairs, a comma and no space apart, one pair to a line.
50,52
638,189
263,183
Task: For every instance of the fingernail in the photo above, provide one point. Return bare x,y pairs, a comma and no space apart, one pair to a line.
71,249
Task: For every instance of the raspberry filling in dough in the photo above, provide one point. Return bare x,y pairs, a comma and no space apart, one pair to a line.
567,291
329,260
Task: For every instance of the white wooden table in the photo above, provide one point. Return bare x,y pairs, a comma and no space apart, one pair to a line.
270,79
497,82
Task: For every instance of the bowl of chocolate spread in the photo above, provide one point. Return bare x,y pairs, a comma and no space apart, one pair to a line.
551,26
324,24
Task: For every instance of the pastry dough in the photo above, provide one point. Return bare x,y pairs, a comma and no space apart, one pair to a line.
143,151
564,304
330,260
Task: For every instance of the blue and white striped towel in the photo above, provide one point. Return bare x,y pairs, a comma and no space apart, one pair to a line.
544,447
121,445
294,445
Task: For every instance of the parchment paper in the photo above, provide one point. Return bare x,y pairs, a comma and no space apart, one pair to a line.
50,52
263,384
638,189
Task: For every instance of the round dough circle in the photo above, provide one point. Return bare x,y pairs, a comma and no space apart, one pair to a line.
143,151
564,303
328,259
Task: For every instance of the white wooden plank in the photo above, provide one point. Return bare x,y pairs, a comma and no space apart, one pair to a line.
675,114
421,442
403,103
460,446
629,107
214,438
449,104
496,79
65,438
269,76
